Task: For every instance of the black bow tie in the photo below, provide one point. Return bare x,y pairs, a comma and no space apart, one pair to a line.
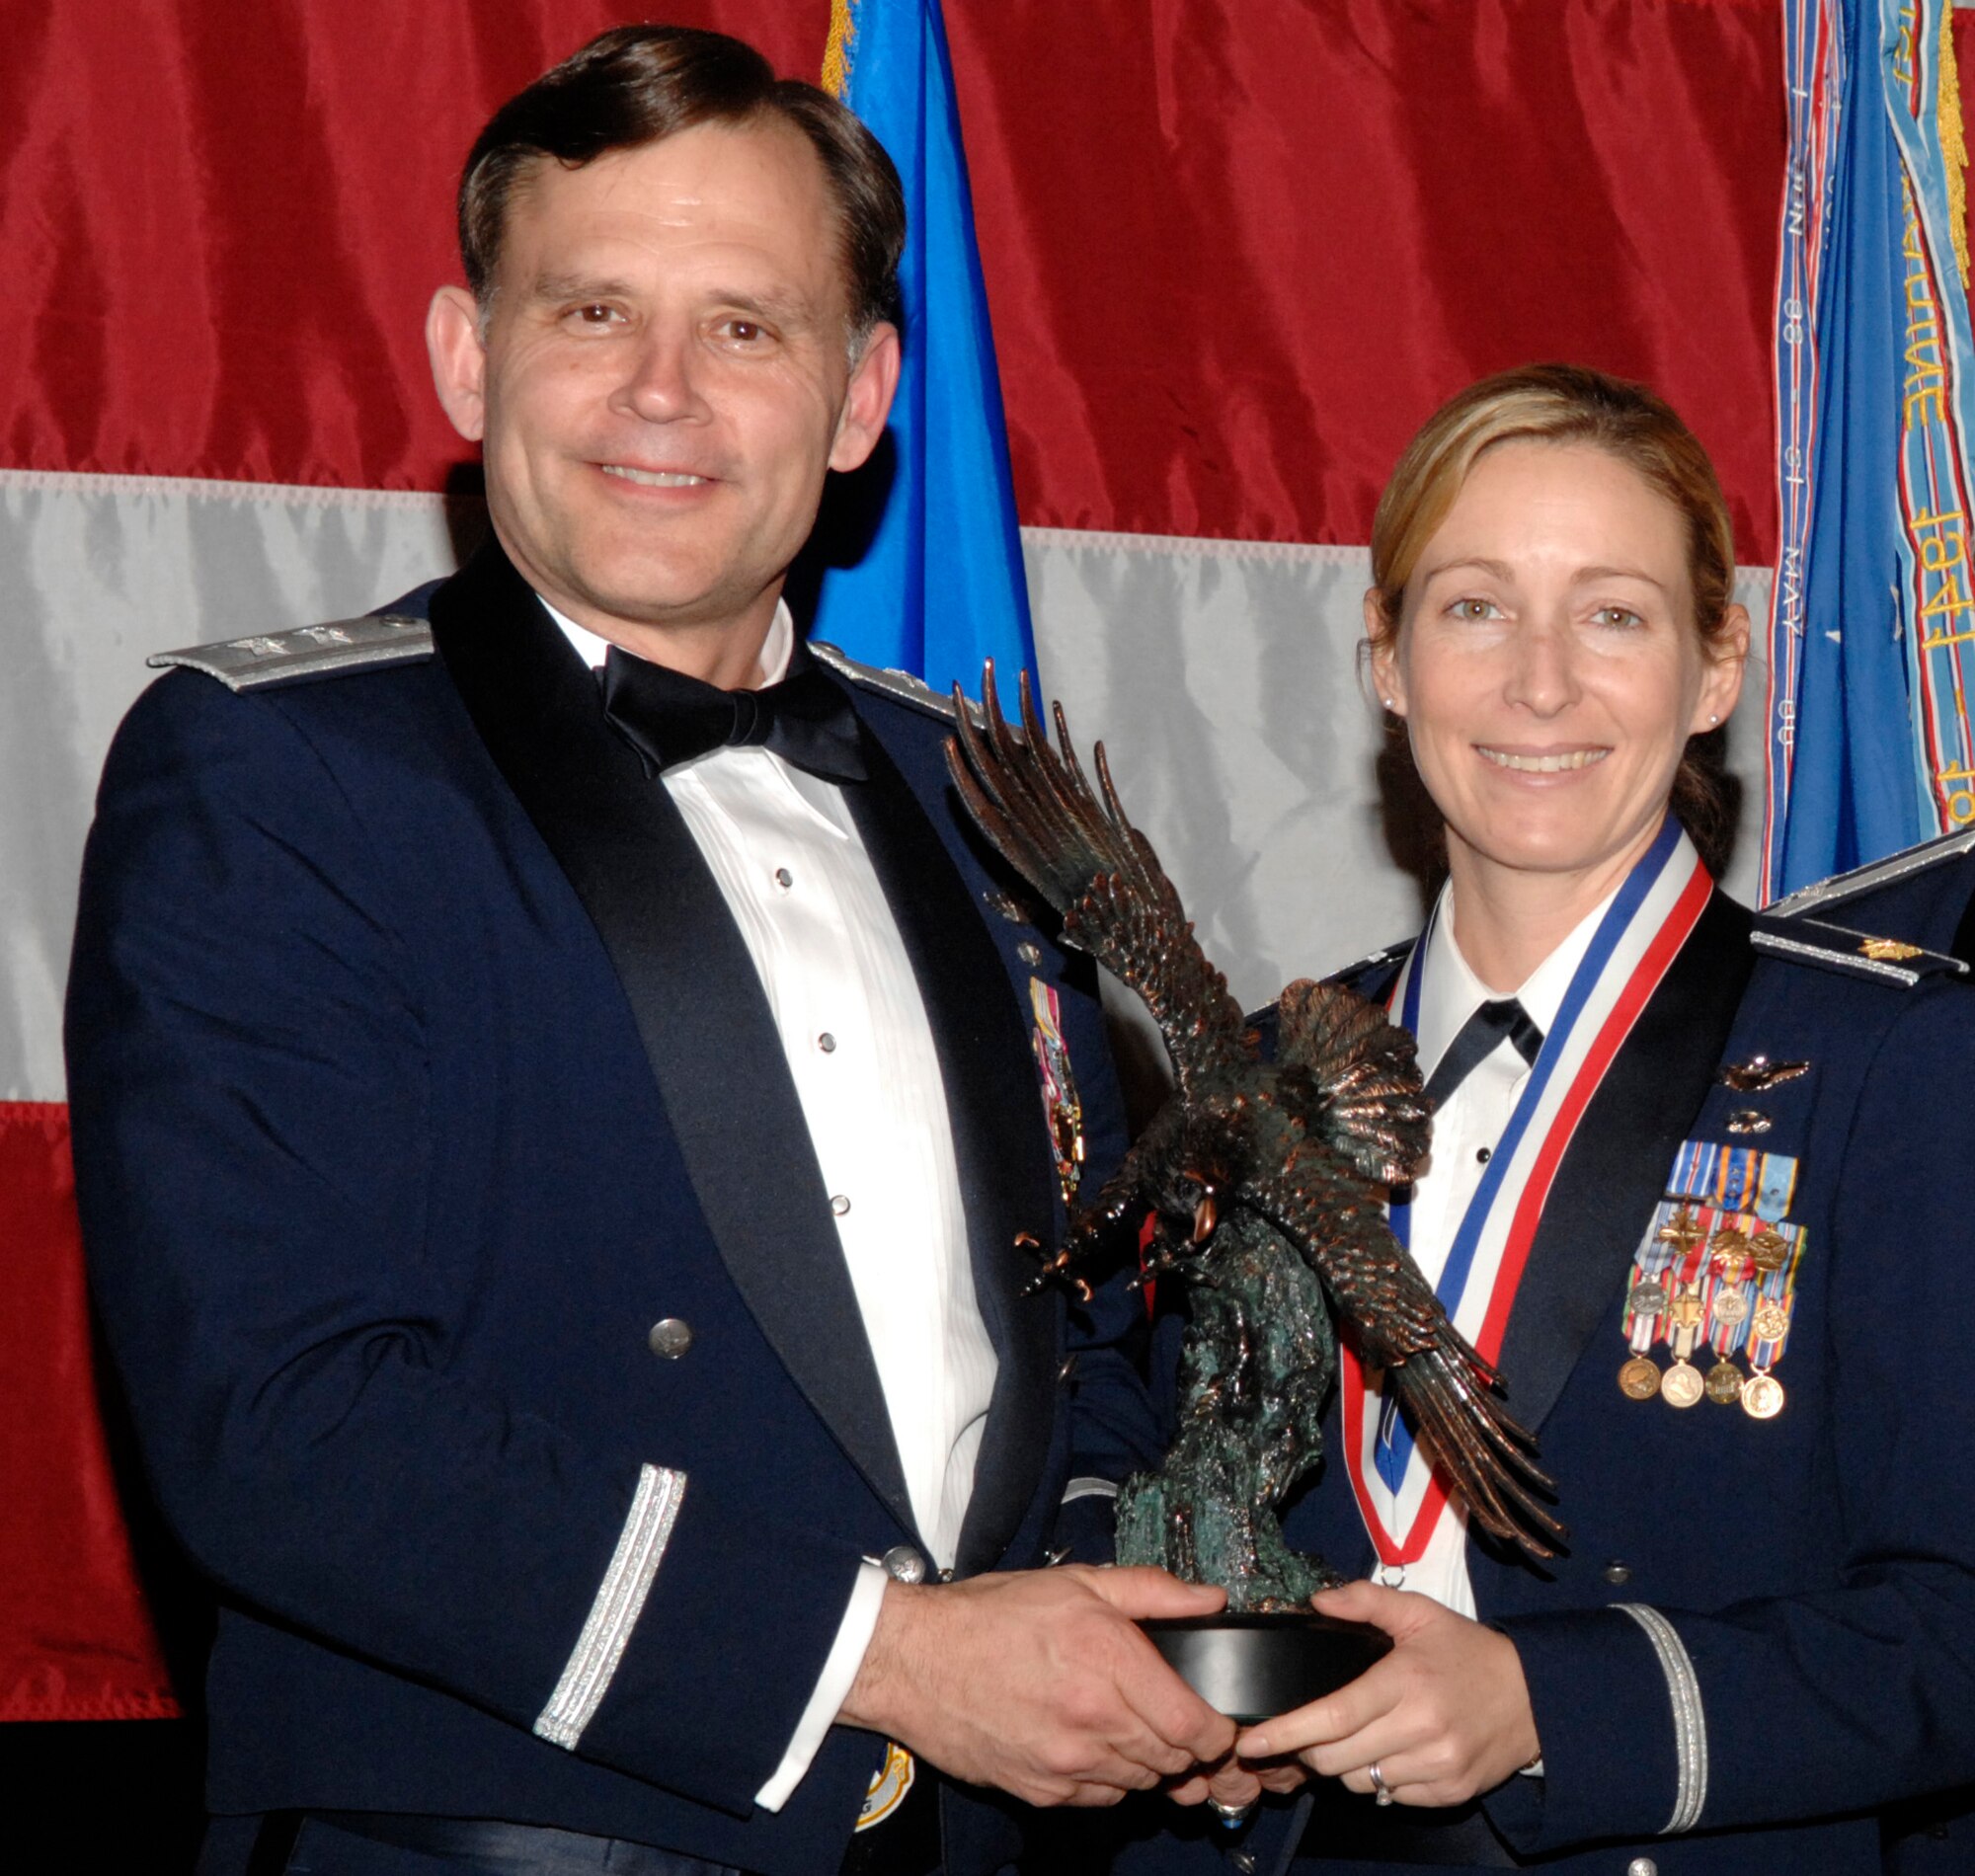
1480,1035
669,718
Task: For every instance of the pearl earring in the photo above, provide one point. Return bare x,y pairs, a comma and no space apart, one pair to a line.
1712,721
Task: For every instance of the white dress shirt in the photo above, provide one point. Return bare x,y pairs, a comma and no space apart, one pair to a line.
1466,1130
794,872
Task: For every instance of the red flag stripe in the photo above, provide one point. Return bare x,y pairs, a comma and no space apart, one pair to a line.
1234,252
76,1641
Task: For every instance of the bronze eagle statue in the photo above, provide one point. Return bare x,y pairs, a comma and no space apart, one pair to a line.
1266,1179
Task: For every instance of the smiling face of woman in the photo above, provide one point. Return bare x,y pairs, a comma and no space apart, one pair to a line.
1550,670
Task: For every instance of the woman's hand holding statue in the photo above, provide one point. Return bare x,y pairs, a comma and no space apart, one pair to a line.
1444,1716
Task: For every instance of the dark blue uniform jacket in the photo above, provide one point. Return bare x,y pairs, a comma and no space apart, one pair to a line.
418,1069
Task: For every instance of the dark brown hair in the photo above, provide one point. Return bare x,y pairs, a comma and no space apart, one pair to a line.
1573,404
636,84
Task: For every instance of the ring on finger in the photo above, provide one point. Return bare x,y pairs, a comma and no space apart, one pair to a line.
1382,1792
1232,1815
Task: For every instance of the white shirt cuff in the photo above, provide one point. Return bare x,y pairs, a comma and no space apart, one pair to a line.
832,1686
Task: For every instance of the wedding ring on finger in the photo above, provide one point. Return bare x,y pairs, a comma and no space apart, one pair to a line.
1231,1816
1381,1790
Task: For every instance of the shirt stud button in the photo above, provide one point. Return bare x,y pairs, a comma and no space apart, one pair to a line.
840,1205
827,1043
670,1339
784,877
1482,1156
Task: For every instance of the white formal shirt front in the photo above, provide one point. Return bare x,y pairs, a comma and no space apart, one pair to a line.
795,874
1466,1130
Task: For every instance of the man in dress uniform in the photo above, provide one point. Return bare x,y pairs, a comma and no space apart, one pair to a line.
555,1113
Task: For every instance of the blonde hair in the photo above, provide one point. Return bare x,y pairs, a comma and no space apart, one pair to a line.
1570,404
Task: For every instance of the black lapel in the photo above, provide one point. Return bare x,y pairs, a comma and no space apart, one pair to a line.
693,990
1616,1167
1006,1183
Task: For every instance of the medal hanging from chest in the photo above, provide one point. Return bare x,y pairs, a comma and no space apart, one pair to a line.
1714,1280
1399,1497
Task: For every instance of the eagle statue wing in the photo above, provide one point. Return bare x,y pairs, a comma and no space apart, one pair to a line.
1450,1395
1099,872
1365,1100
1308,1141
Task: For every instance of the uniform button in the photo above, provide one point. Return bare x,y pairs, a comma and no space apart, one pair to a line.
670,1339
784,877
1616,1573
827,1043
1642,1866
840,1205
1068,1369
903,1564
1028,953
1243,1862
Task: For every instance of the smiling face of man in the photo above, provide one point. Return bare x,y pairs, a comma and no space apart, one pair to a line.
1550,669
664,378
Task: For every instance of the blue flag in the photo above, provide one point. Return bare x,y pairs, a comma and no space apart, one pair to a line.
941,586
1872,624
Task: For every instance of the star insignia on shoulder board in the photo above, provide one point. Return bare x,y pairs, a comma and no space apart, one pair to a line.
373,642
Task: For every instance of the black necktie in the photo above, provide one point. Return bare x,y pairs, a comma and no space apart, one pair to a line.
669,718
1480,1035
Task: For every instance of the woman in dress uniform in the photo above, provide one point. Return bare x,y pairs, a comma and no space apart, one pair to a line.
1703,1185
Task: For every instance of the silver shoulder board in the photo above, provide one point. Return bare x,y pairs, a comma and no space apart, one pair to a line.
309,651
1390,953
1856,953
1843,886
900,686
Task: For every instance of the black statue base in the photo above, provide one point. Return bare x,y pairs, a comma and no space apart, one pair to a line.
1254,1667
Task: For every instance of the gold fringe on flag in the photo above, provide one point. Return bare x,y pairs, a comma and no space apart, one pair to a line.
843,29
1954,144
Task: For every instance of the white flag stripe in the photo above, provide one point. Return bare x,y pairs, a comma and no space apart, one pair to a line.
1222,674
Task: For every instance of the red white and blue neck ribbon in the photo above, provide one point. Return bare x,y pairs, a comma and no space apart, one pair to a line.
1637,939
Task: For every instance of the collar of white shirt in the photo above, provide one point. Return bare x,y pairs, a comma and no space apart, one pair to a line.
1450,992
776,648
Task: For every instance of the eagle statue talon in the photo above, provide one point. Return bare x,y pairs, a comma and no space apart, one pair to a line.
1059,1269
1267,1180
